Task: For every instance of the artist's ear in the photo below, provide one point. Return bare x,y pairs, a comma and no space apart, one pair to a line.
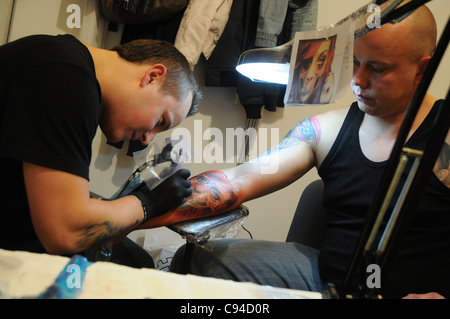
155,72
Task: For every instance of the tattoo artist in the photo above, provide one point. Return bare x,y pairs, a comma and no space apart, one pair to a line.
54,93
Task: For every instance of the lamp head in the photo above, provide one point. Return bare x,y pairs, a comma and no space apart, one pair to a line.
254,64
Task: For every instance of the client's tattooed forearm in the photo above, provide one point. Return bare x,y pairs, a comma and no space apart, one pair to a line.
212,193
101,234
307,131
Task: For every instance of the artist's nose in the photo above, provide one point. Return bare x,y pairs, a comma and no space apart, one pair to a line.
147,137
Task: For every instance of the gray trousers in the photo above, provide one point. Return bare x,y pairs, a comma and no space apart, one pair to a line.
277,264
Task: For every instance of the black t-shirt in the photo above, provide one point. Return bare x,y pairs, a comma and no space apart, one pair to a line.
50,104
423,263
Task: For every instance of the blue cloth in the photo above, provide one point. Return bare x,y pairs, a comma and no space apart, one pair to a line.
69,283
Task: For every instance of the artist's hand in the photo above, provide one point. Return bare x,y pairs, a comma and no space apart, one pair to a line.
212,193
431,295
167,195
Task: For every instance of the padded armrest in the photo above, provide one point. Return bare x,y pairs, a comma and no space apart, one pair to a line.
201,230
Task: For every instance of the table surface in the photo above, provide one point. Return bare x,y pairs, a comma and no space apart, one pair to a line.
27,275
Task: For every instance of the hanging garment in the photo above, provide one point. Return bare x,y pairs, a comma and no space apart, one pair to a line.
201,27
95,25
237,37
141,11
283,15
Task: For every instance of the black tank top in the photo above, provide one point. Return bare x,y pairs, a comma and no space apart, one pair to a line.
350,182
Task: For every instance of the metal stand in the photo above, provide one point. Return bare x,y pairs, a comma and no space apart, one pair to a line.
409,198
251,127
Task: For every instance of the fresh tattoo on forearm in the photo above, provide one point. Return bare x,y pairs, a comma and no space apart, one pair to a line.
212,193
101,234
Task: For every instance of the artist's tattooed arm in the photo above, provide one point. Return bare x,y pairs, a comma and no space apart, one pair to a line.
102,234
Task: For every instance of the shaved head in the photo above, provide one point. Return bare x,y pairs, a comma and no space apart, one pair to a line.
389,63
419,30
423,32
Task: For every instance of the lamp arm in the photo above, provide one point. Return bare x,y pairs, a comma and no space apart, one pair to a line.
388,14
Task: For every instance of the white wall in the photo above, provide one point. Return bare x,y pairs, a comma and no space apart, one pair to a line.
270,216
5,9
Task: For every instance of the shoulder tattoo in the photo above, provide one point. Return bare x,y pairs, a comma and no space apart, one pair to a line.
307,131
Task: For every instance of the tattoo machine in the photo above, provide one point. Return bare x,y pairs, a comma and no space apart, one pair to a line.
158,161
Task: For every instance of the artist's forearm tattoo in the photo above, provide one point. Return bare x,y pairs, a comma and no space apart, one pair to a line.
101,234
212,193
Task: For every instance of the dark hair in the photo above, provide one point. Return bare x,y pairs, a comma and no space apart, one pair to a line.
179,79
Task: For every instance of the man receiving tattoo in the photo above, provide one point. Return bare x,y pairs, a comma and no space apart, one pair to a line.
350,147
